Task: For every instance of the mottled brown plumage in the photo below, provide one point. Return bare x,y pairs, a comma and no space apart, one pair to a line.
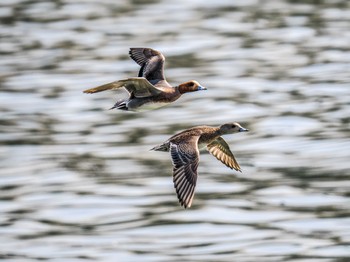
149,90
184,151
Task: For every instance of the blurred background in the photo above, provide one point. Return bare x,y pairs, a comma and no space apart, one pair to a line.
78,182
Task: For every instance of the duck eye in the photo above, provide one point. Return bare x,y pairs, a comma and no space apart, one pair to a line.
233,126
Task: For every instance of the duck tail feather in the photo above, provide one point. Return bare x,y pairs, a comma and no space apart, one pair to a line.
121,104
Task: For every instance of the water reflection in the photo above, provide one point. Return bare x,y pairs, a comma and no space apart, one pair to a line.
78,182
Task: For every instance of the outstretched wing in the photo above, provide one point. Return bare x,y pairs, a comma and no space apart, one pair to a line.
151,62
138,86
185,157
221,150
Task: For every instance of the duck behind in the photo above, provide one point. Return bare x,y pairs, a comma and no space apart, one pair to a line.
149,90
184,151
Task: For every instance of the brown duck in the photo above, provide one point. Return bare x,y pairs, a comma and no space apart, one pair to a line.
184,151
149,90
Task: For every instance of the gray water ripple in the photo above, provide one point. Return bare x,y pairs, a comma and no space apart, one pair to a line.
78,181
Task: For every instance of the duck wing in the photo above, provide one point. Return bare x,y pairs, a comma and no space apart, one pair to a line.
221,150
151,62
138,86
185,158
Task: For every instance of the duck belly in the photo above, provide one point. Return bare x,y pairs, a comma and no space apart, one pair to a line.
145,105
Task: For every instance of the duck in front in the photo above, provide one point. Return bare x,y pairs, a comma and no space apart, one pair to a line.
149,90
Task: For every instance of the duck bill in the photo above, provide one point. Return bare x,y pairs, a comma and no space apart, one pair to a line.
201,88
242,129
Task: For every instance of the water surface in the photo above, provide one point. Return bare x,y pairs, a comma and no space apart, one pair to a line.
78,182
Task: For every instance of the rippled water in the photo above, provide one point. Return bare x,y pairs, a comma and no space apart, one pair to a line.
78,182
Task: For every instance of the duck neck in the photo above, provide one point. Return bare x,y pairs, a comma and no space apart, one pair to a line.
218,131
215,133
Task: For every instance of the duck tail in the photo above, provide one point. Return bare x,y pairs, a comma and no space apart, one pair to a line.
163,147
121,104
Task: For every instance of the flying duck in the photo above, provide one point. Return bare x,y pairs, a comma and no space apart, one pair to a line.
184,151
149,90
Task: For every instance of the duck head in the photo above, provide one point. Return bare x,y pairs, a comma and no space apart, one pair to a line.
190,86
231,128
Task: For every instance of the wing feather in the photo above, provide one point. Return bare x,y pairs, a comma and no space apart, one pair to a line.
151,62
221,150
185,158
138,86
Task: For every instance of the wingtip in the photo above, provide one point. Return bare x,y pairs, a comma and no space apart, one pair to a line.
184,205
235,168
238,169
90,91
133,48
